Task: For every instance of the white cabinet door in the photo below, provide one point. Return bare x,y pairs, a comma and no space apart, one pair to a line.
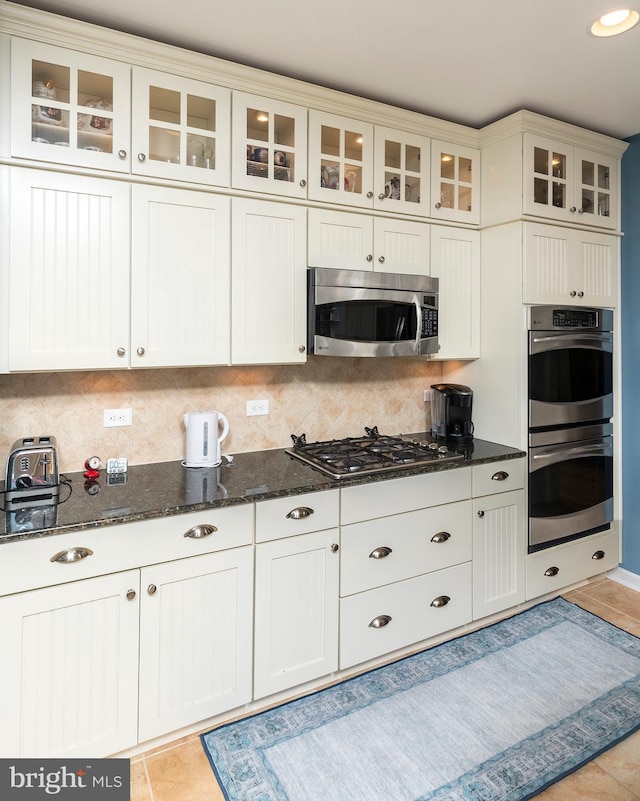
400,246
499,552
597,189
69,283
72,654
269,150
195,639
455,261
455,182
69,107
340,239
180,278
569,266
296,611
5,229
401,172
340,160
180,128
269,288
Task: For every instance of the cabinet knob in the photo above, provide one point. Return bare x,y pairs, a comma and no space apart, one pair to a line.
71,555
441,536
299,513
501,475
141,157
572,209
303,182
121,351
370,257
122,154
480,513
598,555
301,348
573,293
152,589
580,211
438,205
380,553
369,195
380,622
198,532
381,196
334,547
131,594
552,571
580,294
140,351
441,600
381,259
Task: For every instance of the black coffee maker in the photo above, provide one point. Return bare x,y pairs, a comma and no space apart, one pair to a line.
451,406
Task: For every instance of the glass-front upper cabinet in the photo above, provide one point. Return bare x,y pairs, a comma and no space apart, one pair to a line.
181,128
455,182
269,151
570,184
340,160
401,172
68,107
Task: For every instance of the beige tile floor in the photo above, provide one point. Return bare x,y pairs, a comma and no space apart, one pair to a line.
179,771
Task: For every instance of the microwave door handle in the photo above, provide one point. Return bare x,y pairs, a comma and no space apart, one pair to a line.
416,300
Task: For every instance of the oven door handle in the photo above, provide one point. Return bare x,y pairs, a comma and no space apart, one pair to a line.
600,341
562,454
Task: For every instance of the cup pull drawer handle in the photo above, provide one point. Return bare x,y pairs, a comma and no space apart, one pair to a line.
299,512
71,555
380,553
380,622
197,532
441,536
501,475
598,555
441,600
552,571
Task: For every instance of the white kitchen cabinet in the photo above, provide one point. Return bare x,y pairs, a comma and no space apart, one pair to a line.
181,128
401,171
455,183
269,150
69,278
5,261
340,160
180,277
72,654
570,266
69,107
347,240
296,610
196,633
455,261
269,288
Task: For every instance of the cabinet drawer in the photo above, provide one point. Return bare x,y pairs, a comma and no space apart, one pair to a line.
384,498
28,564
383,551
409,607
559,567
488,479
300,514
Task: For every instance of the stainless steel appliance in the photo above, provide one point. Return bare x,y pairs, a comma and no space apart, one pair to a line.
570,391
360,313
451,407
32,477
374,453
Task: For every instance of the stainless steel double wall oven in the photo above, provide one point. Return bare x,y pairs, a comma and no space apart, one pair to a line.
570,382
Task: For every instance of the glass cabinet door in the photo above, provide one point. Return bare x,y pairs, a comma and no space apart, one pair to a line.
598,189
340,160
181,128
401,170
549,178
455,182
269,146
68,107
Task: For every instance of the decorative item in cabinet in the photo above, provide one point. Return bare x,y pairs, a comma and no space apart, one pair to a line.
181,128
69,107
269,146
401,172
455,182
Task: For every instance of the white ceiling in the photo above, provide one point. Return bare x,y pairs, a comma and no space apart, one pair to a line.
467,61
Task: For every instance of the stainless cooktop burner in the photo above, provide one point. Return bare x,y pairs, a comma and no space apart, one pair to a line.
374,453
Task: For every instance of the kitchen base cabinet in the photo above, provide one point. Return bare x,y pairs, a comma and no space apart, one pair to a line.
296,611
71,662
196,622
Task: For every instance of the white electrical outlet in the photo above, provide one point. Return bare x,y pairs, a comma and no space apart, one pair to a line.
428,395
255,407
117,417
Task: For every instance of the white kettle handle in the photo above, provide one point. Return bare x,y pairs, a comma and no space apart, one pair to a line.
225,426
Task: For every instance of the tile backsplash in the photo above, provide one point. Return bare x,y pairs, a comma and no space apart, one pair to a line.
323,398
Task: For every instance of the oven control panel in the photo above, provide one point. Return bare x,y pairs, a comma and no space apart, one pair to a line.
551,318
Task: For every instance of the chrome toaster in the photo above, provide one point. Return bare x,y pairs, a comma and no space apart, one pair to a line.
32,473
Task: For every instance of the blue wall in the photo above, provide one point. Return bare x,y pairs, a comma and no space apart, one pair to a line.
630,321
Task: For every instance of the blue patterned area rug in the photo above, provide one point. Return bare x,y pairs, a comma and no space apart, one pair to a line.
495,715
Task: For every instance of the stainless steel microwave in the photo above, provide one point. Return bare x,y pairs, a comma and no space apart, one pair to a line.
361,313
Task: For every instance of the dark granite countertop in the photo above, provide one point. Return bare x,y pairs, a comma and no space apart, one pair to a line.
167,488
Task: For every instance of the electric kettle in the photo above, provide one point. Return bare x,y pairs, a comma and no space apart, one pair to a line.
203,441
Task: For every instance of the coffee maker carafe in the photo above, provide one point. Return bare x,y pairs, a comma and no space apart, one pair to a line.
451,406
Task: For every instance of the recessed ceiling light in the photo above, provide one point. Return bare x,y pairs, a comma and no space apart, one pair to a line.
615,22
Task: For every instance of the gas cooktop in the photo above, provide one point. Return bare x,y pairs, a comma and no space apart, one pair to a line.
374,453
